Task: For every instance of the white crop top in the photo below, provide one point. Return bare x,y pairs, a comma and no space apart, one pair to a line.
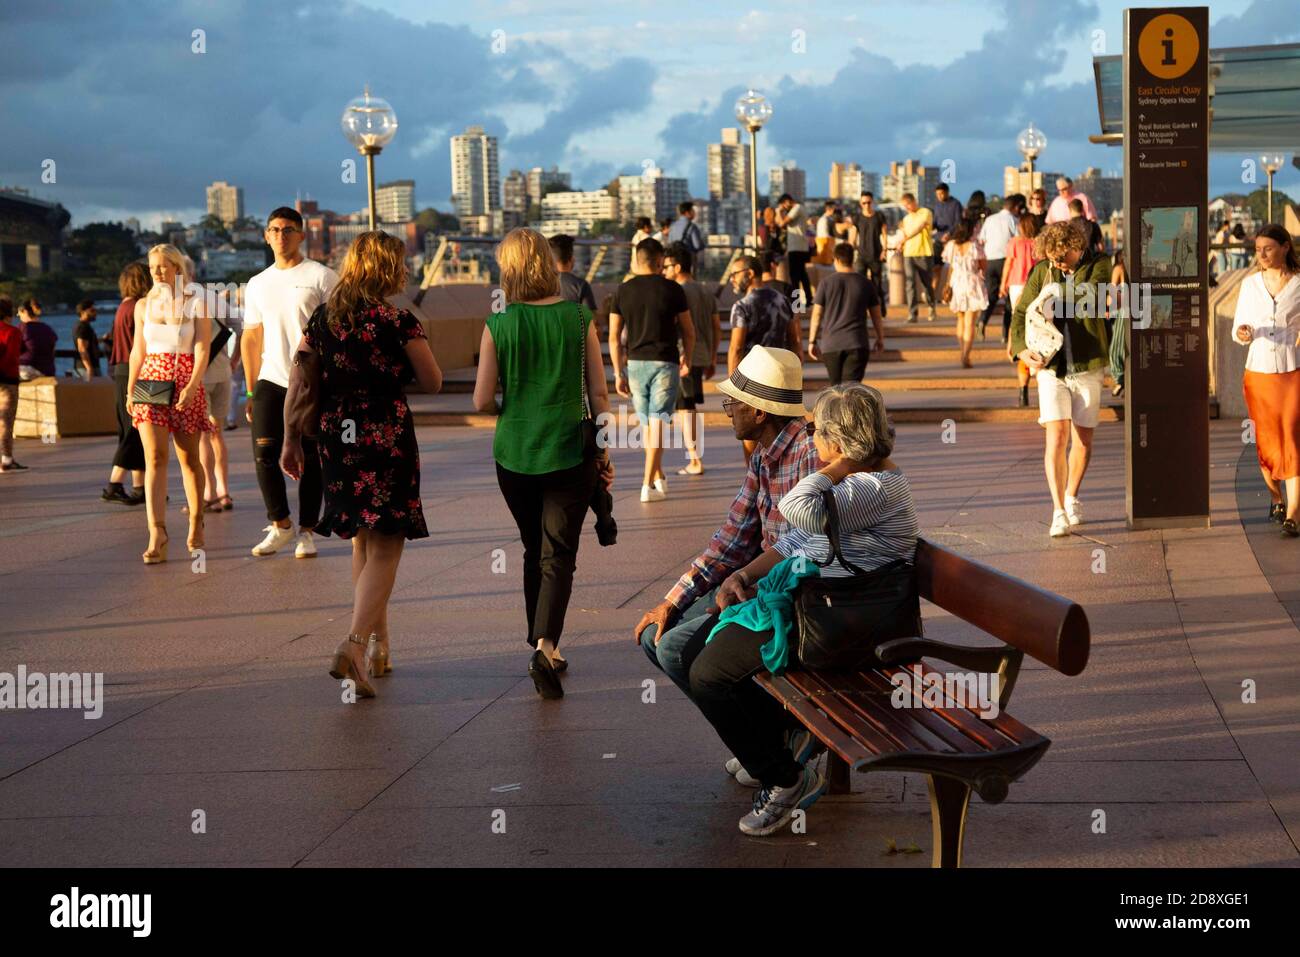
161,334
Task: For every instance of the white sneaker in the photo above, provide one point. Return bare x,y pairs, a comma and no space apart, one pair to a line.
1073,511
306,547
649,494
737,771
276,539
1060,524
661,485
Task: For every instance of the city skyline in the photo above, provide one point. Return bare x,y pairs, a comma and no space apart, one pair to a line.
550,97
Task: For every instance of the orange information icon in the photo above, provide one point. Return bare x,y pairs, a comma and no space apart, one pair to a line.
1168,46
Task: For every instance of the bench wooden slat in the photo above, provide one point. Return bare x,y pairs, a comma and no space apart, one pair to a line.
905,734
830,734
992,734
957,736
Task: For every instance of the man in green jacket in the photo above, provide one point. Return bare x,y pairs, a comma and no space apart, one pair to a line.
1069,385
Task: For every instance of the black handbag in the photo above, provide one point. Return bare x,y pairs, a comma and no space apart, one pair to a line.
843,620
602,503
153,392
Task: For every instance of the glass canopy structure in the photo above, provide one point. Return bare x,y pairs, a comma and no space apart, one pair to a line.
1254,98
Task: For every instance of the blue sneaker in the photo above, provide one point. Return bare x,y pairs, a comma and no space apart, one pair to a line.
802,745
774,807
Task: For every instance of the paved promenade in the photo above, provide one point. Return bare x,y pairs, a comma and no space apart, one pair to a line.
217,697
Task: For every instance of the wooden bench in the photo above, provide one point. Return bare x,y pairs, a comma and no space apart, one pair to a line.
853,715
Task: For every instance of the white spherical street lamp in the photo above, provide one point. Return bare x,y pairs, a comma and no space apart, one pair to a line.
370,124
1031,142
1272,162
753,111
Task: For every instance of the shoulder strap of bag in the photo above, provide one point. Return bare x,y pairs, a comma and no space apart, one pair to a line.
833,531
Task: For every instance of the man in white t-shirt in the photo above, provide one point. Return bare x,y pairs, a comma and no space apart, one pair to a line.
277,304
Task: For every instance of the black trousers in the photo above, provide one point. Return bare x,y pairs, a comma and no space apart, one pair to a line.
873,269
993,282
750,722
797,265
548,509
268,437
846,365
130,453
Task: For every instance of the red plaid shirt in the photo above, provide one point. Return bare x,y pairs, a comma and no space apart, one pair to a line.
754,522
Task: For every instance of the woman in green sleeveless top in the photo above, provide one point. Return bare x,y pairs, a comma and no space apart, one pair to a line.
536,350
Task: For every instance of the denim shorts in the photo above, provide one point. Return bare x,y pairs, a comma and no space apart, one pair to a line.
654,387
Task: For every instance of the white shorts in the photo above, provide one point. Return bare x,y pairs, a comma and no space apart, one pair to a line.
1076,398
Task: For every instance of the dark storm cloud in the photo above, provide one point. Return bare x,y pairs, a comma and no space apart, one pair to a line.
134,119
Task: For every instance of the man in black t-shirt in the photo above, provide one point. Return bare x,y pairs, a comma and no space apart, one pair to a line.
872,228
843,302
657,315
87,341
572,287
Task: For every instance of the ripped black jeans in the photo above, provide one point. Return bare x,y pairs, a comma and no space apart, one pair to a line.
268,437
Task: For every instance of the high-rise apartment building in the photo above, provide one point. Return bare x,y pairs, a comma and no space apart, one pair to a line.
909,176
226,202
475,175
514,192
539,178
584,208
787,178
1106,192
395,201
728,166
651,194
1016,179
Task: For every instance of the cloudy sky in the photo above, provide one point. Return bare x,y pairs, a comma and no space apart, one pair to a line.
137,123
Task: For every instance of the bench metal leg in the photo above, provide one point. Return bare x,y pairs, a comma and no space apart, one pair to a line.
837,774
949,800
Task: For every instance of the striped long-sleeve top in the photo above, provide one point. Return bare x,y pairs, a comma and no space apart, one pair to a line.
877,520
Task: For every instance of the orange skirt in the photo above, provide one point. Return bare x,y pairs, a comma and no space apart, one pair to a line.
1273,399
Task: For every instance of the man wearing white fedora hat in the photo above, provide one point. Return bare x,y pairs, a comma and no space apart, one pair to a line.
765,404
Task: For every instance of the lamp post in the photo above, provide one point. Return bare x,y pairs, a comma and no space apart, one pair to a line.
369,123
1031,142
753,110
1272,162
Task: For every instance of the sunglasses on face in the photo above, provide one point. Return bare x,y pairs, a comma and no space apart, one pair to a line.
286,230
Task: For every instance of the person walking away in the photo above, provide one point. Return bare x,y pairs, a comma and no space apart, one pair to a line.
1059,211
170,346
1020,260
789,217
685,230
825,234
544,352
88,351
369,352
845,300
918,255
1268,321
572,286
11,347
278,302
1238,257
133,284
37,358
995,235
871,231
657,315
764,400
678,264
1069,384
1091,231
965,282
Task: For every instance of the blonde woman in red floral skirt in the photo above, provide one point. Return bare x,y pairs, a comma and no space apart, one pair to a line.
171,345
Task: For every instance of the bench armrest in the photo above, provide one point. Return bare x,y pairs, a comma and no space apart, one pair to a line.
1002,659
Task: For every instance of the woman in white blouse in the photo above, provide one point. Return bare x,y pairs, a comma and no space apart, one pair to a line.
1268,320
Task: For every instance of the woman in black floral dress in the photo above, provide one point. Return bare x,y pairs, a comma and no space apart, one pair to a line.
370,461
